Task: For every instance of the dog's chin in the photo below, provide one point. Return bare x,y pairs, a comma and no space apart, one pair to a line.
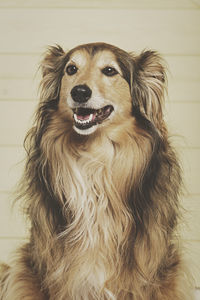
86,131
88,120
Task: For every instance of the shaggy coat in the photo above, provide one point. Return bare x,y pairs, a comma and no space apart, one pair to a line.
101,183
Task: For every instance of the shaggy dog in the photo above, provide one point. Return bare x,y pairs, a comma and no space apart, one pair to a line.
101,183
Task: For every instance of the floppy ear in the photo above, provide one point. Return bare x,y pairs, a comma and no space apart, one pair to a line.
148,86
52,71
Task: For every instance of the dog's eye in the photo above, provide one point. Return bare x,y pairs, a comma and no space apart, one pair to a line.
109,71
71,69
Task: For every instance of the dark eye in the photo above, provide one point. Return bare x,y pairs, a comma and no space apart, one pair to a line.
71,69
109,71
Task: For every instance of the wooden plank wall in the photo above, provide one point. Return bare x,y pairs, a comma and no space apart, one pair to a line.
26,27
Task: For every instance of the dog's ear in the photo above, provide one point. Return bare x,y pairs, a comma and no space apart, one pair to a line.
52,59
148,86
52,71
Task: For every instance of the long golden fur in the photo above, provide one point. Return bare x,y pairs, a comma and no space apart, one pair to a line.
101,183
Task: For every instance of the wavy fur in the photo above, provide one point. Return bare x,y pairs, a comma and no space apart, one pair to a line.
103,207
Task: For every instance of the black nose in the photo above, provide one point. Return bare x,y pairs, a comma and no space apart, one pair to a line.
81,93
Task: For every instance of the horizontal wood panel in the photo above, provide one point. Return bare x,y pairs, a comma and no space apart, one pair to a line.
168,31
18,89
12,222
20,66
191,169
184,123
27,89
183,68
190,224
23,66
100,3
184,91
7,248
16,118
11,162
19,78
192,251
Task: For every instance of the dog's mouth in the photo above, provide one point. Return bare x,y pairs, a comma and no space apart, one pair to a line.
85,118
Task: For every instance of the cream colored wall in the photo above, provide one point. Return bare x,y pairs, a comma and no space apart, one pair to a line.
172,27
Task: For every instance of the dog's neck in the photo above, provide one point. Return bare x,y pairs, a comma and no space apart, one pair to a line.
105,163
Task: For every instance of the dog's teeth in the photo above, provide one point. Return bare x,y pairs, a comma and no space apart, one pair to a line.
83,121
90,118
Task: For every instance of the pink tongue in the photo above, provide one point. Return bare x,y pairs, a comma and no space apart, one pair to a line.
86,117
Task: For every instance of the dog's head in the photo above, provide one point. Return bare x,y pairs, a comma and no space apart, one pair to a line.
98,85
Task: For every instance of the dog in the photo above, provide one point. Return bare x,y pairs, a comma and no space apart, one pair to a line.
101,183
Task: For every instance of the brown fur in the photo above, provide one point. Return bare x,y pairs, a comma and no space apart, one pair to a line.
104,206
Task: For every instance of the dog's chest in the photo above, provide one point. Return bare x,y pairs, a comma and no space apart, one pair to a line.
92,233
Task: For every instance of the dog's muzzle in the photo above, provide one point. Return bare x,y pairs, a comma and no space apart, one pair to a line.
86,118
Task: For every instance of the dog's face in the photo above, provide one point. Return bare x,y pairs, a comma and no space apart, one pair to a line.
99,86
94,89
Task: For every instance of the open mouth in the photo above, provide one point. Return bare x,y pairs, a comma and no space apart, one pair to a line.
85,118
